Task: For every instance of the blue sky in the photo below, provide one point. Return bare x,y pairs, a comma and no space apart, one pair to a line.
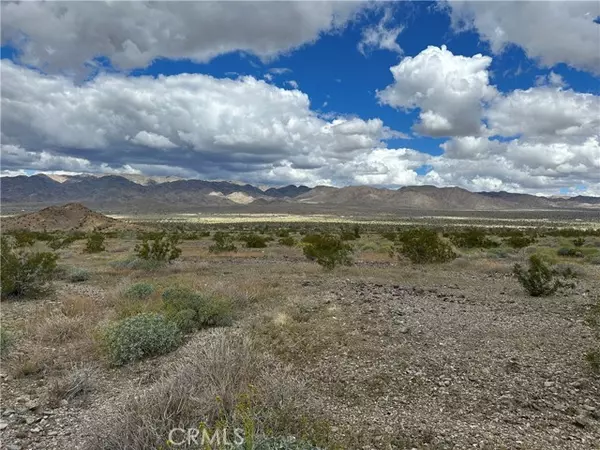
324,105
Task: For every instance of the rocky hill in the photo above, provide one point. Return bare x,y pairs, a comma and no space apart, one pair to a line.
69,217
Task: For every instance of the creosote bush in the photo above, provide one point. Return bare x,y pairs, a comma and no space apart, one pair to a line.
579,242
223,242
327,250
138,337
192,310
472,238
422,245
162,248
538,279
254,240
520,241
95,243
569,253
24,273
287,241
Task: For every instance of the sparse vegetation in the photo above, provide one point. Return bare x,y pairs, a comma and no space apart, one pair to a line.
538,279
472,238
139,291
25,274
162,248
421,246
193,310
95,243
78,275
287,241
569,253
6,341
328,251
139,337
254,240
223,242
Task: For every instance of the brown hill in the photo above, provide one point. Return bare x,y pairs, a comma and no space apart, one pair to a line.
69,217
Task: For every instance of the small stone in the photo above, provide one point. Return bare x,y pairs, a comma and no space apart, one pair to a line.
32,404
13,447
3,425
64,402
404,330
36,430
581,421
30,420
548,384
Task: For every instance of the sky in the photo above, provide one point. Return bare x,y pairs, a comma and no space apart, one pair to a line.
488,96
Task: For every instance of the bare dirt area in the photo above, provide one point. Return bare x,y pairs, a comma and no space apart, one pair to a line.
382,354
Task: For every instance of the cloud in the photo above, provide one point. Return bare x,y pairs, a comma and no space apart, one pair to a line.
535,26
381,36
546,113
280,70
293,84
216,128
450,90
66,37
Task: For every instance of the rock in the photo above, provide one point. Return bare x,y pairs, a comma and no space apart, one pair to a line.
404,330
36,430
581,422
31,420
548,384
32,404
3,425
13,447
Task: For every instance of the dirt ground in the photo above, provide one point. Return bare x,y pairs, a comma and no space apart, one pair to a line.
397,355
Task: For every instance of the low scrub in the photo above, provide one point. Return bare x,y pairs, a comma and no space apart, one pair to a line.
520,241
569,253
192,310
421,245
223,242
78,275
139,291
139,337
25,274
227,383
472,238
6,341
95,243
163,248
538,279
328,251
287,241
254,240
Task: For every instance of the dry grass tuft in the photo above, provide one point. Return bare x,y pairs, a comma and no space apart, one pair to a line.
77,383
59,329
210,381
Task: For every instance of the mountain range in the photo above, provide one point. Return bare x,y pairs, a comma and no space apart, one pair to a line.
137,194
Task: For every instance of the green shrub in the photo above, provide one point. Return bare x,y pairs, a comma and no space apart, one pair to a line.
139,337
223,242
520,241
538,279
422,245
163,248
194,310
6,341
472,238
283,233
569,252
134,263
25,274
78,275
254,241
328,251
287,241
579,242
95,243
139,291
